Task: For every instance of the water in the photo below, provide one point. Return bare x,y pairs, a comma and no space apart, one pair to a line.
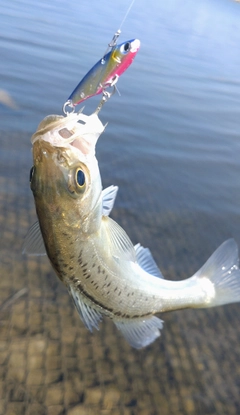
178,112
171,145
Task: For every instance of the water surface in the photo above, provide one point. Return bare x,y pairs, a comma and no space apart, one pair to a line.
172,147
179,104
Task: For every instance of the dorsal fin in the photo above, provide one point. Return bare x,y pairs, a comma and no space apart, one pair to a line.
108,198
146,261
33,243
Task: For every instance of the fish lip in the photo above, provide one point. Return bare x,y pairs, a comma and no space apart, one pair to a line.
75,134
43,150
63,130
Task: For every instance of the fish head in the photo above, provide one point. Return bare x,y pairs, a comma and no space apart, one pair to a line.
65,178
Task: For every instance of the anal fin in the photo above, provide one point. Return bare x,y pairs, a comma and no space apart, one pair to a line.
89,316
140,332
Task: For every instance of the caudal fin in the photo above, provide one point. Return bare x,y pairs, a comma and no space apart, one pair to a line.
220,276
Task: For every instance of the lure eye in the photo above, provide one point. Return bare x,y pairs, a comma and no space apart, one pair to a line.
125,48
80,178
31,174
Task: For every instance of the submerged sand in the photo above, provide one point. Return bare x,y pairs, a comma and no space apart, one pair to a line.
49,362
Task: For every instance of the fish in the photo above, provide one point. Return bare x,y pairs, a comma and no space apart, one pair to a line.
105,274
105,72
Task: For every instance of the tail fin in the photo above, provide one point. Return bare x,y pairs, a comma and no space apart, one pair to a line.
222,270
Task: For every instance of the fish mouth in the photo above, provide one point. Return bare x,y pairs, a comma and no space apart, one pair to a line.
77,131
43,150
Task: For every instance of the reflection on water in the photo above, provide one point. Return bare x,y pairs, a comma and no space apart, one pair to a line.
172,146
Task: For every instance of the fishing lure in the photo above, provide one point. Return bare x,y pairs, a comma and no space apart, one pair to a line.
105,73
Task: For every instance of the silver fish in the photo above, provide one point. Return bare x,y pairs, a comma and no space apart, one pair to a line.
104,273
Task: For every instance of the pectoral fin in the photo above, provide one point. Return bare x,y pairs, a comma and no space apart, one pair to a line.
119,242
33,243
109,195
140,332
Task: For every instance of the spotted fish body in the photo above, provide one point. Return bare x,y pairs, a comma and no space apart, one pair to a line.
104,273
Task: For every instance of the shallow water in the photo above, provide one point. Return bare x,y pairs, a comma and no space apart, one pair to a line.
172,147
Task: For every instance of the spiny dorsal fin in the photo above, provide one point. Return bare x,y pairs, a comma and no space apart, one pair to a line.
108,198
146,261
33,243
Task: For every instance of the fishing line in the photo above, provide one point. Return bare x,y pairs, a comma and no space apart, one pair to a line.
126,15
111,45
93,72
116,35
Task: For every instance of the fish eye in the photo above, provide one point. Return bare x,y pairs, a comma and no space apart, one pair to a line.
77,180
31,174
80,178
125,48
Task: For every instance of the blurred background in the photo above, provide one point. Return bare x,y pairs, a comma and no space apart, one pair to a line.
172,147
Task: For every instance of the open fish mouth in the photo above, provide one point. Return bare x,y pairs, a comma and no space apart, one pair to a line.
77,130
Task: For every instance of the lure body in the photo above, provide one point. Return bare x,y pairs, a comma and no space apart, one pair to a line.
105,72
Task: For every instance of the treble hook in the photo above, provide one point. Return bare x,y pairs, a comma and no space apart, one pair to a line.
106,96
